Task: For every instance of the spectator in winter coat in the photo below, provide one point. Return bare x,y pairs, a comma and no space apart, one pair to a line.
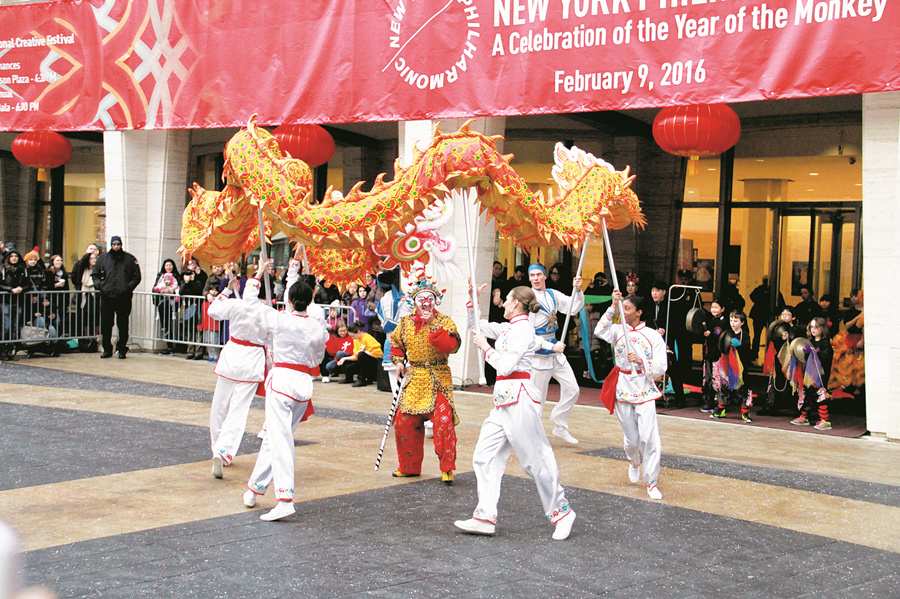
116,275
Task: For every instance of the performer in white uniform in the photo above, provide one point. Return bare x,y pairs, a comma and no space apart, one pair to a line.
548,364
515,421
299,347
241,368
635,394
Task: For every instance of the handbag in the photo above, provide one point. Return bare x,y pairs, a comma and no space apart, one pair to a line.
34,335
189,313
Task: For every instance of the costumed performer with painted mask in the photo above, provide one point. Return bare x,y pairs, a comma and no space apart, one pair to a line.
514,423
546,363
299,346
634,394
241,369
419,347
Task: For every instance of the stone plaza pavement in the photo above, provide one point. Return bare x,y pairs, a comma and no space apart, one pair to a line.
106,480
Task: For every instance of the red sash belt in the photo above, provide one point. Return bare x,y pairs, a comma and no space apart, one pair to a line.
608,391
247,343
298,367
514,375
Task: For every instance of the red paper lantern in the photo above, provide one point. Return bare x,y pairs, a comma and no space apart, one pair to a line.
310,143
697,130
42,149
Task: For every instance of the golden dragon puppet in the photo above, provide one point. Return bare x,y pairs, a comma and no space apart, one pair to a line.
393,223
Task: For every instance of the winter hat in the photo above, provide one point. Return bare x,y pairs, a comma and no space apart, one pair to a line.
115,239
31,255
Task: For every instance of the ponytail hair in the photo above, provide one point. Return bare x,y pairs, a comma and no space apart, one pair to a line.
300,296
525,296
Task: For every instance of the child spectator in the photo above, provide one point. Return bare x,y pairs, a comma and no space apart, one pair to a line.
367,353
779,336
711,354
818,369
338,346
737,351
362,309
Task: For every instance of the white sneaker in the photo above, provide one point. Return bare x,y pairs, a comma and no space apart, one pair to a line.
565,435
564,527
429,429
326,379
249,498
217,466
653,491
634,472
282,510
475,527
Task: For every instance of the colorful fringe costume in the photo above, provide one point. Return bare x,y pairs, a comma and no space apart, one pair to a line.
736,351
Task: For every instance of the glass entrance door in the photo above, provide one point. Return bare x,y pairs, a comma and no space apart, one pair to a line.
818,248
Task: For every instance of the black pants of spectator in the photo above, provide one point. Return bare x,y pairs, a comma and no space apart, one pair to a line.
680,370
365,367
779,394
758,327
490,374
120,310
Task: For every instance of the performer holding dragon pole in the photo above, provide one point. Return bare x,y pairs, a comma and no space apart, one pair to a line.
630,386
546,363
515,421
299,345
419,347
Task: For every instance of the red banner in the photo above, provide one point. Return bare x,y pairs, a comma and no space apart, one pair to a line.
212,63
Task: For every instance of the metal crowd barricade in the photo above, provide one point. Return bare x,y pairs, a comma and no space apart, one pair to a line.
179,322
33,319
48,320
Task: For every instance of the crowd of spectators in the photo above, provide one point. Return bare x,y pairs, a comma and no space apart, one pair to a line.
181,297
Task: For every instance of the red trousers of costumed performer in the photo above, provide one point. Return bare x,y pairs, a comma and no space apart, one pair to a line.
409,430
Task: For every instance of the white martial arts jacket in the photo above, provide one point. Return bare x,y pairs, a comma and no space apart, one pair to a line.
650,348
298,345
545,322
239,361
512,356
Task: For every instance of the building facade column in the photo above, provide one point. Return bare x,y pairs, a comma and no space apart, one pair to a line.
881,254
146,192
465,364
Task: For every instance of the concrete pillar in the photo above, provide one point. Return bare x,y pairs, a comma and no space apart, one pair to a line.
17,185
465,363
757,225
881,254
146,192
659,184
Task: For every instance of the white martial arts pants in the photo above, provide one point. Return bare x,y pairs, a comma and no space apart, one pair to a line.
228,416
568,389
276,456
642,445
516,428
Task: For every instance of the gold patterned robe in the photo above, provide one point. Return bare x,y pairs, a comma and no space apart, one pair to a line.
427,371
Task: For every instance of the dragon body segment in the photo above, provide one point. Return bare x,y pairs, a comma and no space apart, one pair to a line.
394,222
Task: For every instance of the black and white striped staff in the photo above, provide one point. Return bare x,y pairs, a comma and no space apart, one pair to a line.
387,426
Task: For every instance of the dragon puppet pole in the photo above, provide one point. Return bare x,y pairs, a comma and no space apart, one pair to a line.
263,257
615,280
387,427
577,274
470,242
